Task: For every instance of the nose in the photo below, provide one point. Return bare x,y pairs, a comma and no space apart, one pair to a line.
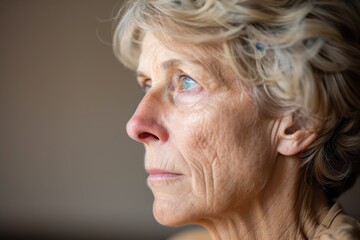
145,125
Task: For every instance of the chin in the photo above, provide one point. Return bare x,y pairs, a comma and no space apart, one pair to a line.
173,213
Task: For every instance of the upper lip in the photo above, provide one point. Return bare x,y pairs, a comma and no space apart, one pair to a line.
160,171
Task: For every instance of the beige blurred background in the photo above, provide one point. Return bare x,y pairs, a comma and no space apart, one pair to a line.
67,168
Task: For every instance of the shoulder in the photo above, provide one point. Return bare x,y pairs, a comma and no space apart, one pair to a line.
338,226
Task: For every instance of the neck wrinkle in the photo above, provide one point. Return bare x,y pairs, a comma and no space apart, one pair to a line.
286,209
313,208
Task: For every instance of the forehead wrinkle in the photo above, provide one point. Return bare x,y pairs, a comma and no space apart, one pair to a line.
171,63
214,69
164,66
211,66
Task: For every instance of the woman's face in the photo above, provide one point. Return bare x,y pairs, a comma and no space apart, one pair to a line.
207,151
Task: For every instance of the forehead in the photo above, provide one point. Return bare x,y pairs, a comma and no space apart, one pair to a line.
158,54
155,52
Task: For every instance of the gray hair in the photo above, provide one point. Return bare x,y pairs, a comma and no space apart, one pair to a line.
300,57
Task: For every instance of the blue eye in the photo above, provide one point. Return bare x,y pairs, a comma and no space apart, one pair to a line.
146,86
187,83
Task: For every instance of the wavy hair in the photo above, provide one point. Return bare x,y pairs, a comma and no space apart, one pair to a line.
302,57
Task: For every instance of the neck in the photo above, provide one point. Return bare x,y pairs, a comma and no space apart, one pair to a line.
285,209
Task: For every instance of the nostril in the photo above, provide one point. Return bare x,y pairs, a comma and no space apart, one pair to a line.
146,135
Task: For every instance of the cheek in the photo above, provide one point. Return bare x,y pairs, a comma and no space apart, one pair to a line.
195,143
224,155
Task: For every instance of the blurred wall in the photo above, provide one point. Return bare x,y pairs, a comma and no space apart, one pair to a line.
66,163
67,167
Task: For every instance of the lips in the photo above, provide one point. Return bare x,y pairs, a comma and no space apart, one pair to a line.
159,171
161,175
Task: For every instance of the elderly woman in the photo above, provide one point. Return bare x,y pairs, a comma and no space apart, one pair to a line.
251,113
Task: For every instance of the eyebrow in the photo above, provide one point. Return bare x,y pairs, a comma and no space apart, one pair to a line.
164,66
171,63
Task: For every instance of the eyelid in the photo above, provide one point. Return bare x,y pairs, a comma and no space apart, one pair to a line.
146,83
180,77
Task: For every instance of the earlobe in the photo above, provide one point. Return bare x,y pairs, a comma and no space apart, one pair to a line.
293,138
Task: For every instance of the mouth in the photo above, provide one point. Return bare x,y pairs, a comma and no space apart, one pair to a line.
159,175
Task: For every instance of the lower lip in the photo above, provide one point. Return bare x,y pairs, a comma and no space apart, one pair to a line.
159,177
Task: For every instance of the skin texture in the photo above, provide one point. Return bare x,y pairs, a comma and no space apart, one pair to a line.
211,159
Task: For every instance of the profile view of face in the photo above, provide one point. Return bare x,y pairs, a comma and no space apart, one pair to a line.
207,150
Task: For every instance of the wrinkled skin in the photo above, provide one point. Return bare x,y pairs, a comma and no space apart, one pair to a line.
210,134
212,158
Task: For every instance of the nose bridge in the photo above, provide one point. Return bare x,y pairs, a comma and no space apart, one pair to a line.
146,125
143,105
147,105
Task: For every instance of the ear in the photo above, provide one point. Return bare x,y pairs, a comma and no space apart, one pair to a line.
293,138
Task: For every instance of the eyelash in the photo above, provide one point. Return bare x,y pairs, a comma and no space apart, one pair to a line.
146,86
180,78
